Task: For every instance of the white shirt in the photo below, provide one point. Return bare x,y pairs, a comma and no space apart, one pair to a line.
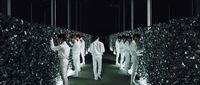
97,48
122,46
127,47
117,45
63,49
82,45
133,47
76,47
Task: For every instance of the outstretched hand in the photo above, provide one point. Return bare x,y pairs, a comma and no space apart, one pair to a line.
51,39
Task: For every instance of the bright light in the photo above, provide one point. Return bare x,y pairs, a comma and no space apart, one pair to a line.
59,80
130,71
143,81
70,72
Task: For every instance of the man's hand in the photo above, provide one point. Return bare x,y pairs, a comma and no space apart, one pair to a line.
51,40
198,46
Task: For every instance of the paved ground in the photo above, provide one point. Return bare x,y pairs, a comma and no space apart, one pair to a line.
111,75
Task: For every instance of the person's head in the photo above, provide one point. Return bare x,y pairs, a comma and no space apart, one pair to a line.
123,38
129,38
73,37
136,37
61,38
119,38
81,37
78,36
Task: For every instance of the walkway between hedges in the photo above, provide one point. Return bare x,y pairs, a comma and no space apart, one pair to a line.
111,75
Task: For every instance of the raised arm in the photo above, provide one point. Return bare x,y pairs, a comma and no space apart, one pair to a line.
53,47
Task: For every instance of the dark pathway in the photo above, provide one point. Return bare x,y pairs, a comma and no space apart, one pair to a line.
111,75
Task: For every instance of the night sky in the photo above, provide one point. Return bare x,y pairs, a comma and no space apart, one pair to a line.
100,17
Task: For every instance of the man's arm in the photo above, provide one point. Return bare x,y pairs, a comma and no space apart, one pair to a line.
53,47
102,48
89,49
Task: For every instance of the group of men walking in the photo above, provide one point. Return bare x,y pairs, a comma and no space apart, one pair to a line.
78,48
127,52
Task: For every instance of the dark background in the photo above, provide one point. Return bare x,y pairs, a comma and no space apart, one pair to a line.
101,17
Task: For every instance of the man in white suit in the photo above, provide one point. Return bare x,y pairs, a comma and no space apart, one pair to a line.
117,48
97,49
63,54
127,53
76,54
122,51
82,50
135,53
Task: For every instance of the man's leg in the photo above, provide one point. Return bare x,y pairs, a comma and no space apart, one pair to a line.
75,61
94,67
121,60
99,65
134,67
78,63
117,58
127,61
64,70
83,57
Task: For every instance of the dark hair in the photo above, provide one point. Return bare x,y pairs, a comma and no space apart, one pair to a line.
72,36
81,36
129,37
78,35
62,36
119,37
123,36
137,35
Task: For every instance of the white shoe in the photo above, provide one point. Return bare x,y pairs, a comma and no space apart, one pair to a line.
134,83
70,72
130,71
117,64
95,78
82,64
99,77
121,68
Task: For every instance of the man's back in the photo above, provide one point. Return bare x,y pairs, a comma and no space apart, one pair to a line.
97,48
65,50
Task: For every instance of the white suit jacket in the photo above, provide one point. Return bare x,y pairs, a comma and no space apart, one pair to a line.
76,49
127,47
133,48
96,48
83,45
63,49
122,46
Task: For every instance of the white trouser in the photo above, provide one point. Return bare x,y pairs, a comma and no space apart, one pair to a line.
127,60
83,56
76,62
64,70
97,65
122,59
134,68
117,57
